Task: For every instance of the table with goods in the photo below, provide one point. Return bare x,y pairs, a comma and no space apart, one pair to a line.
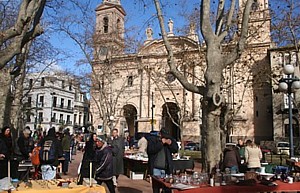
136,164
68,185
280,180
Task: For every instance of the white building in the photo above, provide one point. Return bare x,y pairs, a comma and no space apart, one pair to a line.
57,96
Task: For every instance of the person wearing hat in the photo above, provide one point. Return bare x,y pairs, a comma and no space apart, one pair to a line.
104,164
159,150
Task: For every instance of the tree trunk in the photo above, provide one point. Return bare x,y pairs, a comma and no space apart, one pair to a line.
5,82
211,111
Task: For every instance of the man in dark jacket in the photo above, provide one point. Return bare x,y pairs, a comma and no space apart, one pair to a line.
159,150
104,164
66,144
49,167
117,144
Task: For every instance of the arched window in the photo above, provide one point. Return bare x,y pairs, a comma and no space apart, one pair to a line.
105,24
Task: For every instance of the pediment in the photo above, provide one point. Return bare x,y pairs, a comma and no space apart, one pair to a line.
178,44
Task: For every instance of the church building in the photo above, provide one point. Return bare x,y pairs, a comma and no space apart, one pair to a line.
135,92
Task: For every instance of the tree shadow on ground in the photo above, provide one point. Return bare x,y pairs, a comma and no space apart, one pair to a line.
128,189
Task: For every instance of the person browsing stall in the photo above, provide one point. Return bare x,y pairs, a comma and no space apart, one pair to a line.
159,150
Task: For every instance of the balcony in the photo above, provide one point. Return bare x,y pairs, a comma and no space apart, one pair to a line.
67,109
69,122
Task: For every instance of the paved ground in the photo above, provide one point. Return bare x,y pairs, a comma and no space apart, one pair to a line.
125,184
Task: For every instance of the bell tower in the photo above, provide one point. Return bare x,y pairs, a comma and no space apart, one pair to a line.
109,30
259,21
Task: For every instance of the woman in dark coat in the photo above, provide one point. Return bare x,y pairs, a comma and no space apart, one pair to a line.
88,156
3,158
7,138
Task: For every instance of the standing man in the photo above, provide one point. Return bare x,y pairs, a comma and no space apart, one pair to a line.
117,144
159,150
66,144
104,164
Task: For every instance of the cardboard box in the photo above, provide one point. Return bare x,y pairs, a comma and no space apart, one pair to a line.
136,175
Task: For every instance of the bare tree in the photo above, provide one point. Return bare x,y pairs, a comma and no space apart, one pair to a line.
286,26
216,62
26,28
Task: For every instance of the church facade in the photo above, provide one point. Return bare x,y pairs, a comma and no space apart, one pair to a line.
137,93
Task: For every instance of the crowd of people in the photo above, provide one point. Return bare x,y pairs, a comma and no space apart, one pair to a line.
103,156
28,146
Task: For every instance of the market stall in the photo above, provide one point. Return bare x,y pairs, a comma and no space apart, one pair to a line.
276,186
48,186
135,165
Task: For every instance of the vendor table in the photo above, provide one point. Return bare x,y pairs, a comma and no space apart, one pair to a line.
183,164
135,165
24,168
281,187
138,164
81,189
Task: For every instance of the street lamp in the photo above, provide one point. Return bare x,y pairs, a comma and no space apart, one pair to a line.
152,113
289,85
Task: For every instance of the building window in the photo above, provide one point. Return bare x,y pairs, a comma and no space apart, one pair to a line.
75,117
29,101
62,103
63,84
54,101
68,119
40,117
53,117
105,24
69,104
61,118
41,101
79,120
70,87
129,80
43,81
28,118
30,83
